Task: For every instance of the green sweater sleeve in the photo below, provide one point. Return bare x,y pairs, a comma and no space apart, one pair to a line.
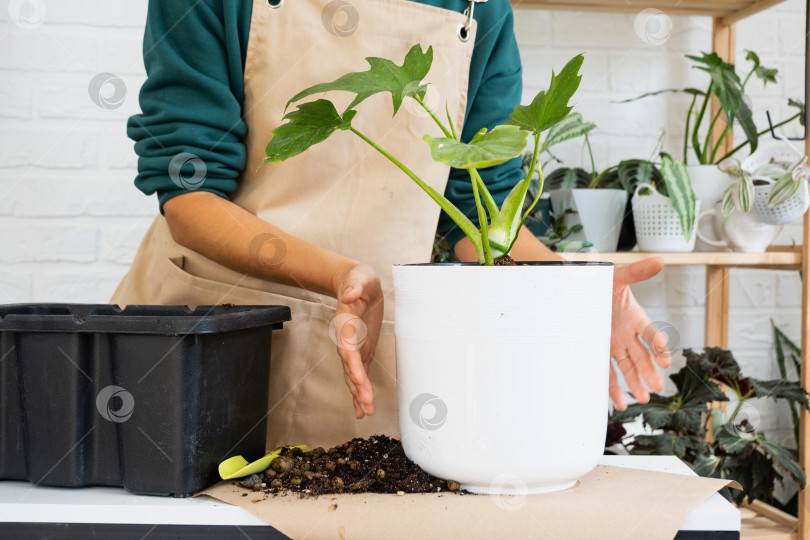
190,133
191,123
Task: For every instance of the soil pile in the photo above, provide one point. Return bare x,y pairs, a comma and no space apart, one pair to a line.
374,465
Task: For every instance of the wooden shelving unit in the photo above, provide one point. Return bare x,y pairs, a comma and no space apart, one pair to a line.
759,520
728,11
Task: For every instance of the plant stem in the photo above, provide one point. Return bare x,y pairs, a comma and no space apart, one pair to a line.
707,142
529,176
590,153
686,133
736,410
719,142
698,121
450,121
482,219
447,132
763,132
455,214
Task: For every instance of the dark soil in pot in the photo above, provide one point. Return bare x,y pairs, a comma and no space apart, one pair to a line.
374,465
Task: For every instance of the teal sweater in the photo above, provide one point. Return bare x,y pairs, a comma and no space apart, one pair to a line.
192,100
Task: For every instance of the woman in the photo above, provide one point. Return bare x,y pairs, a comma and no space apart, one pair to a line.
320,232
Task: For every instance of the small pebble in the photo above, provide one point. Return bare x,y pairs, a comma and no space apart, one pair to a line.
341,461
380,474
295,481
275,483
452,486
400,493
337,482
283,464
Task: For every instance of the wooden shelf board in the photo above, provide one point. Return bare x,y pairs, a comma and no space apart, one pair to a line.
728,10
778,258
763,522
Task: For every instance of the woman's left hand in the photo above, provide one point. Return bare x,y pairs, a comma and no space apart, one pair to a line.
631,328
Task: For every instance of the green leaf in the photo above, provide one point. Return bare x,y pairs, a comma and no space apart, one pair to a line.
569,128
665,444
753,57
486,149
310,124
628,174
714,363
550,106
383,76
780,388
726,85
679,191
783,189
708,465
731,439
766,75
690,91
785,459
802,110
565,178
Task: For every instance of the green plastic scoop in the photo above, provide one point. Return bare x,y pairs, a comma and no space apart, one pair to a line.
237,466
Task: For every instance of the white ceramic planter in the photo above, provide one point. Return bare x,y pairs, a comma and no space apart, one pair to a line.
600,211
503,372
709,184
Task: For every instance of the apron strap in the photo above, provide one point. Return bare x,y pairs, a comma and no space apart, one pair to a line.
463,29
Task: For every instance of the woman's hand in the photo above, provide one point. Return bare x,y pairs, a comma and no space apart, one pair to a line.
631,326
356,328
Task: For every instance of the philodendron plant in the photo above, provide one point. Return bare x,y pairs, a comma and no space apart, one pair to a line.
313,122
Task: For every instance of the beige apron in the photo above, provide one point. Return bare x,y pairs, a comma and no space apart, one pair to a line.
341,195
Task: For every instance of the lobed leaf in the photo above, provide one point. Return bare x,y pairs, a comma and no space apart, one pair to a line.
383,76
549,107
310,124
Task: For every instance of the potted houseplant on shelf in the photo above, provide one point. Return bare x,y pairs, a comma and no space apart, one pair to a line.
590,215
665,214
708,182
772,181
713,442
460,328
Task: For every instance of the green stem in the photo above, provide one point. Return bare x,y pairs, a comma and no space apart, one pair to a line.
529,176
707,142
686,133
492,206
736,411
482,219
447,132
719,143
698,121
590,153
450,121
763,132
455,214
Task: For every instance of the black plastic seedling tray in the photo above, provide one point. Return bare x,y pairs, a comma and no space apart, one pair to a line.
150,398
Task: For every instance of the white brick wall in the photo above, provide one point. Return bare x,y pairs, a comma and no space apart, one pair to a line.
71,218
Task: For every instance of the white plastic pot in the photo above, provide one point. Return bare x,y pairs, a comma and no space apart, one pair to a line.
658,226
600,211
503,371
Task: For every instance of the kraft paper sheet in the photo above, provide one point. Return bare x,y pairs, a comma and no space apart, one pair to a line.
609,503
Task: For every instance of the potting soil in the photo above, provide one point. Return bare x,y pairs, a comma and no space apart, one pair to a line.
374,465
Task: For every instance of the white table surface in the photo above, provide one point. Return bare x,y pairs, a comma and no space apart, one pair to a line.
21,502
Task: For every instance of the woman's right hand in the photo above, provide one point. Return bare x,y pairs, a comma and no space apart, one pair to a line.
356,328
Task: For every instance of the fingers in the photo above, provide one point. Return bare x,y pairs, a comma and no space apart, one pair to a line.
354,373
631,377
644,365
638,271
660,349
616,393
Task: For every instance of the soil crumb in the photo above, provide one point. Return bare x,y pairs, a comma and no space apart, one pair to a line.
374,465
506,260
